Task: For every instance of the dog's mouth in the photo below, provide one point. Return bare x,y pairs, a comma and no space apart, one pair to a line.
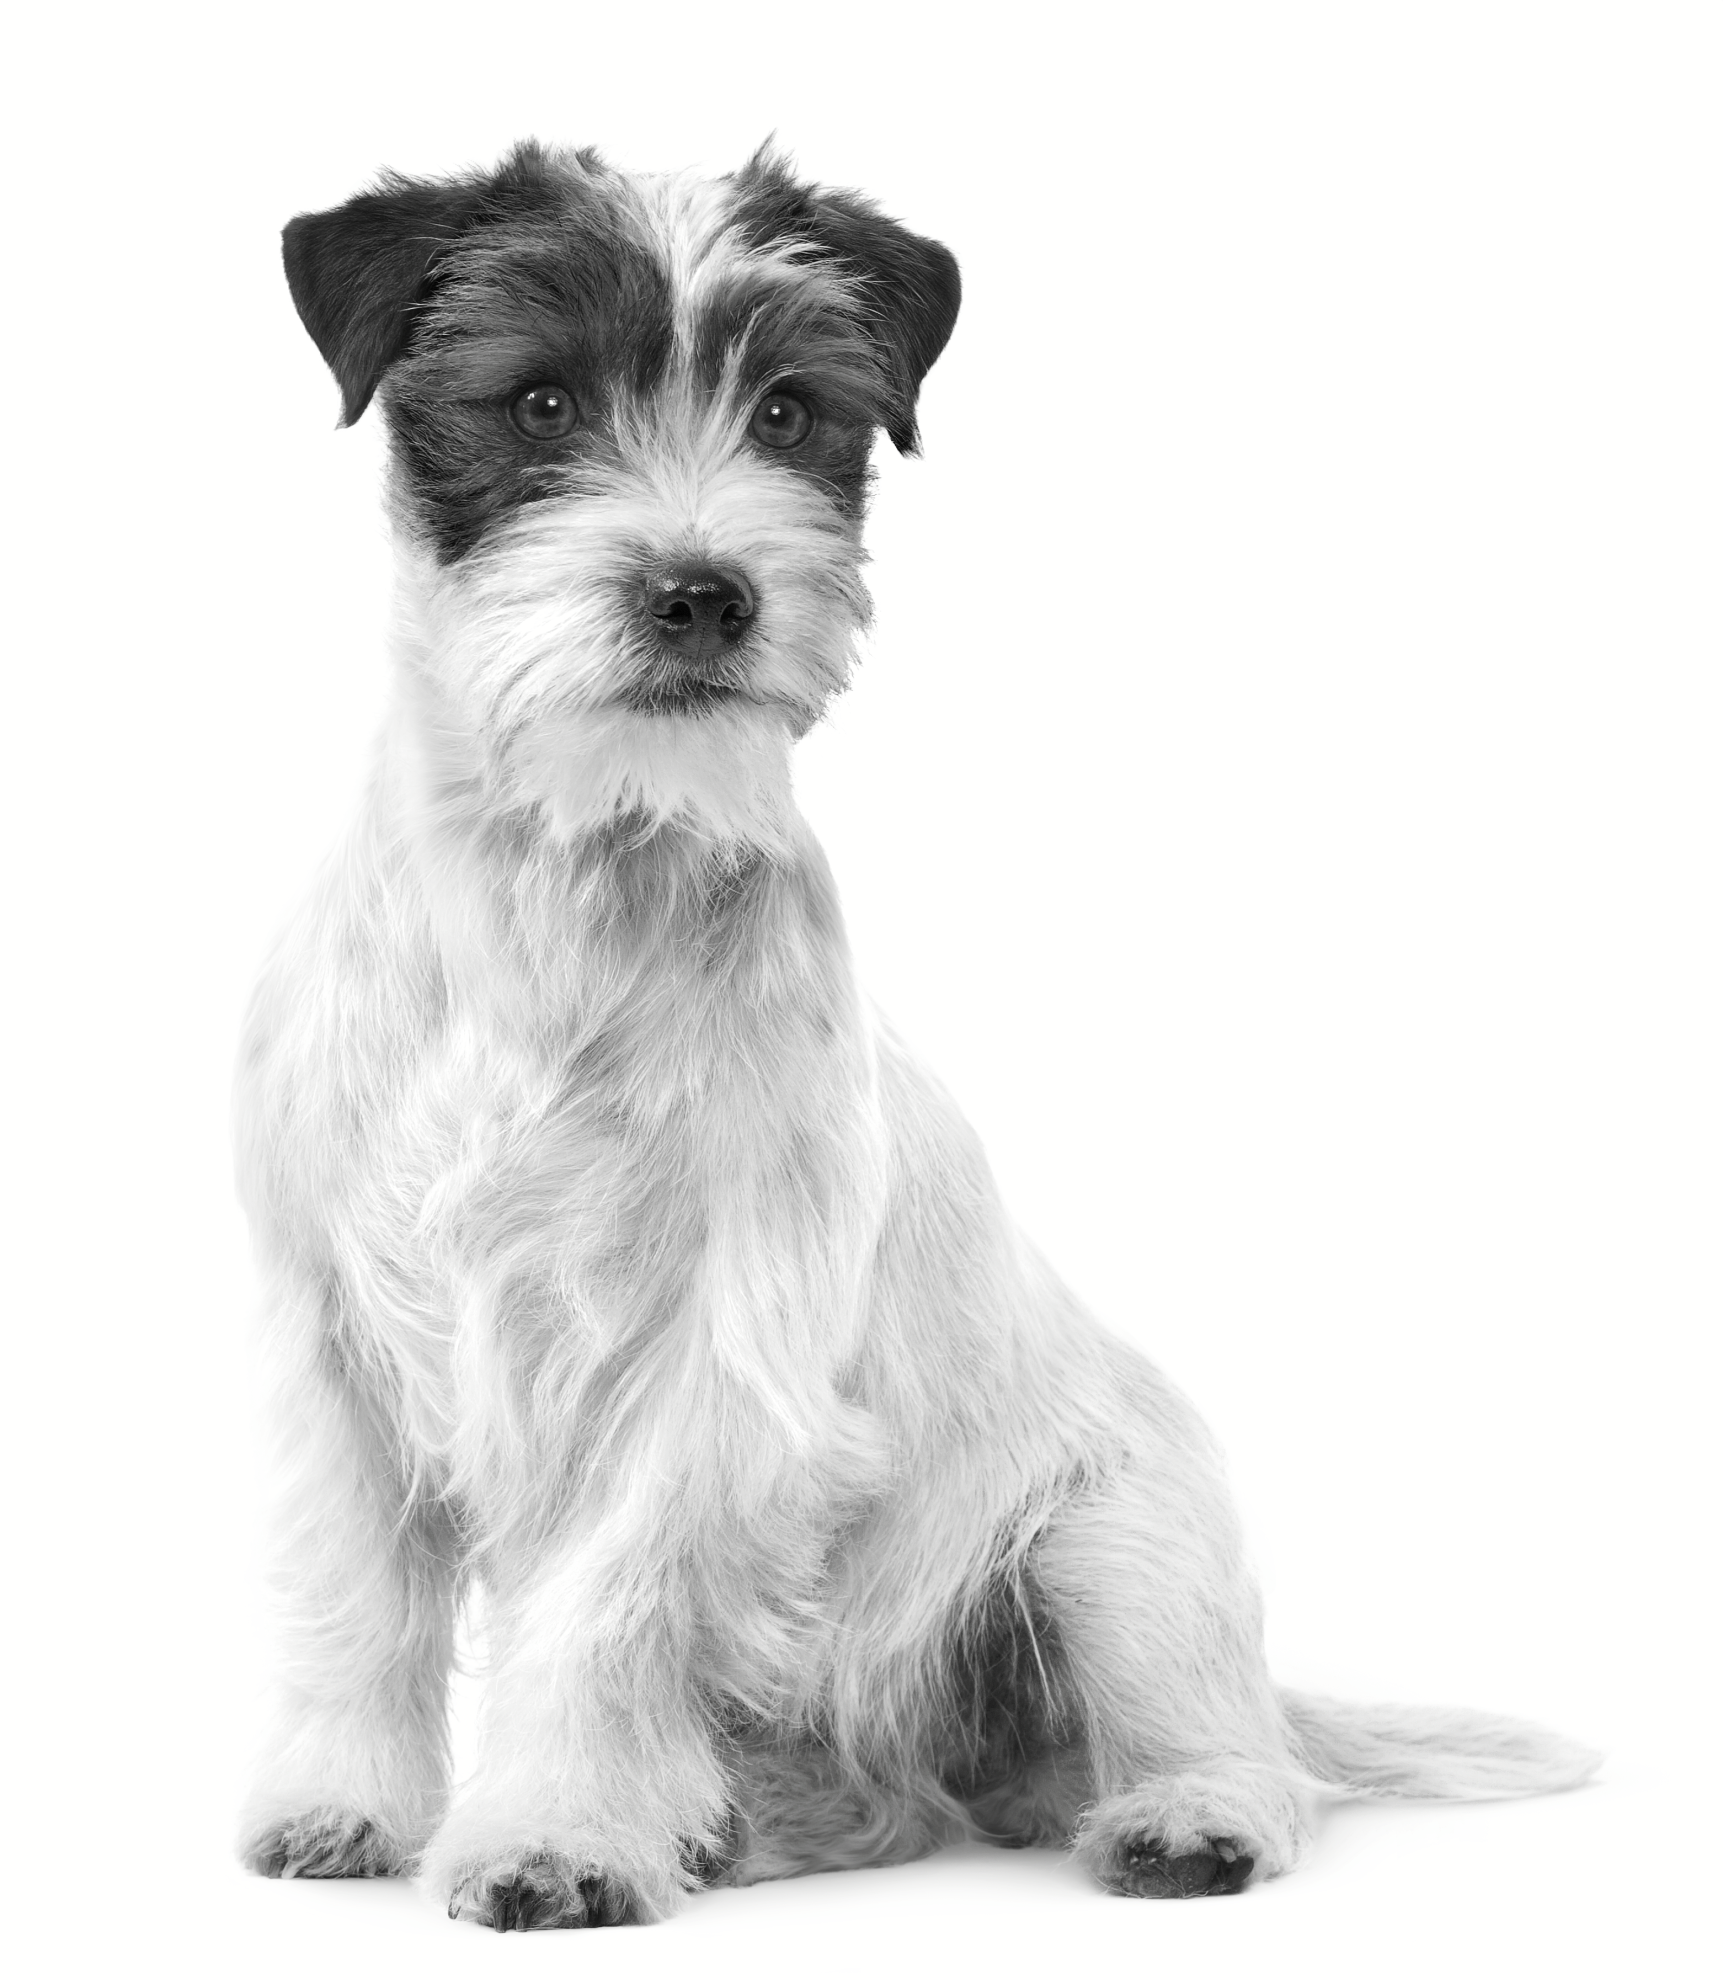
673,690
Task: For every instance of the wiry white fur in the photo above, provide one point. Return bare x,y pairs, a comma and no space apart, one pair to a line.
620,1259
691,222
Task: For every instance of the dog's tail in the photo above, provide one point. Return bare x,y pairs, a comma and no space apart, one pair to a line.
1424,1752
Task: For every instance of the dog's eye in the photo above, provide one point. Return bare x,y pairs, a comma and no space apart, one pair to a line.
781,420
544,412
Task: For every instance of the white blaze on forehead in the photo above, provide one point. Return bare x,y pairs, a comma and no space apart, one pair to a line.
690,224
693,228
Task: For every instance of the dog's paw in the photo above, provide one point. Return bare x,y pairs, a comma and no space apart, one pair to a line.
1199,1833
1146,1868
542,1893
323,1842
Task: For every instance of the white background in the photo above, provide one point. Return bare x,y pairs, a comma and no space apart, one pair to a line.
1280,799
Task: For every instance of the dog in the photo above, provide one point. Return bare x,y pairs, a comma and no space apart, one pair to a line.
621,1264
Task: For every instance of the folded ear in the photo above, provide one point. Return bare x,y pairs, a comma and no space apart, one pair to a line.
908,285
910,293
356,271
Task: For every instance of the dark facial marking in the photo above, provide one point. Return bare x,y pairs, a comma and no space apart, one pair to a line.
760,334
908,286
459,298
506,394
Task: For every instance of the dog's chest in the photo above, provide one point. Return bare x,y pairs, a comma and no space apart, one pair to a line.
507,1175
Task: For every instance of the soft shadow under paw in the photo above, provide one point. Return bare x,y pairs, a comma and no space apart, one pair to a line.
542,1894
1145,1869
323,1844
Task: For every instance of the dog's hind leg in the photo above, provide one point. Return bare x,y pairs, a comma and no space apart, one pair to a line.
354,1773
801,1809
1158,1635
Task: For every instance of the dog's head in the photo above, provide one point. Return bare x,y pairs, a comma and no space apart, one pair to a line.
630,424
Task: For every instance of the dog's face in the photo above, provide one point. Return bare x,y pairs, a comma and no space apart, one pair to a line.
630,422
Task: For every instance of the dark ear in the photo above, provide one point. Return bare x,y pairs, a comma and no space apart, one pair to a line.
910,292
356,271
909,285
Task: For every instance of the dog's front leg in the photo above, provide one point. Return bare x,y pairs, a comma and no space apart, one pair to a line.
652,1527
354,1773
598,1795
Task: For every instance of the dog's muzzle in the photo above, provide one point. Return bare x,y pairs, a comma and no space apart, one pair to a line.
698,616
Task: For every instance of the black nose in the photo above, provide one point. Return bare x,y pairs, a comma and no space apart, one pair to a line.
698,603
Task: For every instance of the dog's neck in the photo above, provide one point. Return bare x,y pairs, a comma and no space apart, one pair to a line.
544,932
